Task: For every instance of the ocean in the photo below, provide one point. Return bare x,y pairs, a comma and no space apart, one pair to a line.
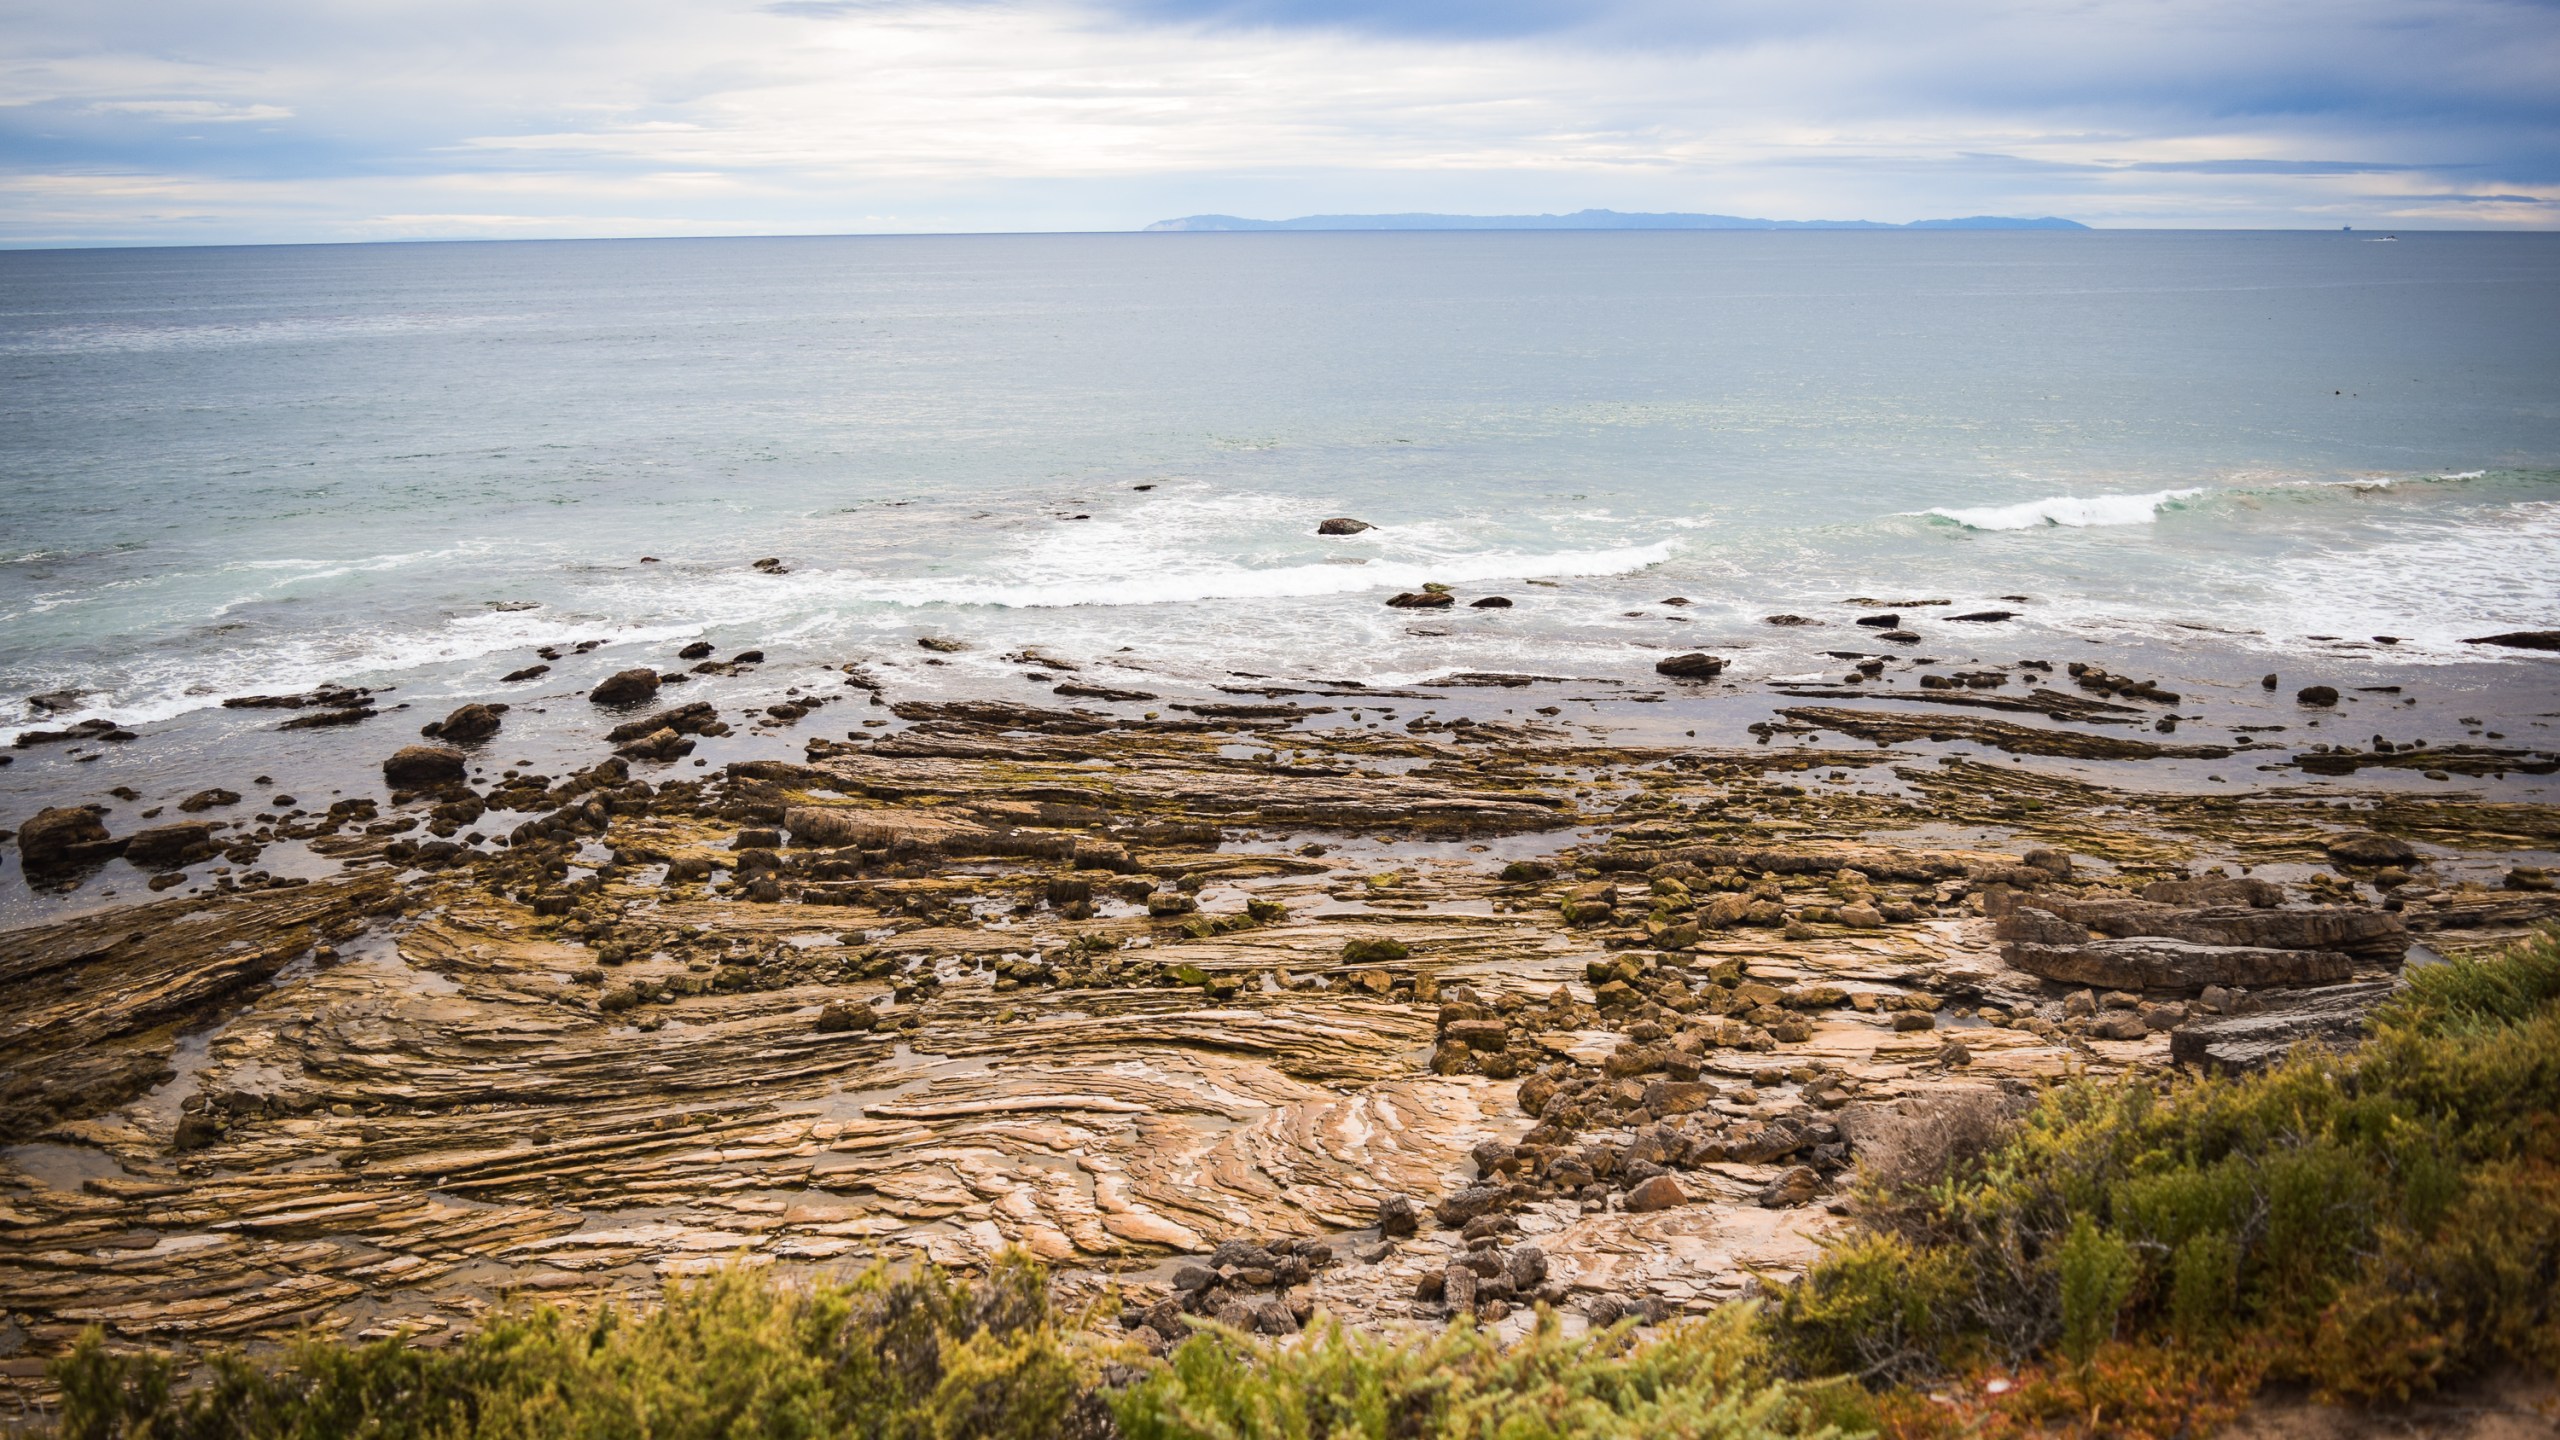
256,470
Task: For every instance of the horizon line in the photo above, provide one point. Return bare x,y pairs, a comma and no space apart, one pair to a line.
14,248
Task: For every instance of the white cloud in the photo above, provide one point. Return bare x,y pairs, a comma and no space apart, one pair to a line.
683,116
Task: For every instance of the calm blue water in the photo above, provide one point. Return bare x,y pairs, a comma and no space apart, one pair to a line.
255,469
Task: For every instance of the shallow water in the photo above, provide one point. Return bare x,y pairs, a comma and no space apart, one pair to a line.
259,469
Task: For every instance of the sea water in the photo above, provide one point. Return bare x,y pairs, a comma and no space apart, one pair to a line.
254,470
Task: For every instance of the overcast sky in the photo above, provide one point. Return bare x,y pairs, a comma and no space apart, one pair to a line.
123,121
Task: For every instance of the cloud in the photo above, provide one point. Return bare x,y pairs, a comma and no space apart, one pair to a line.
213,112
296,119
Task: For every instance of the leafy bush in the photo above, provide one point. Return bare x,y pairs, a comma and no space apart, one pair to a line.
1699,1380
2383,1218
920,1356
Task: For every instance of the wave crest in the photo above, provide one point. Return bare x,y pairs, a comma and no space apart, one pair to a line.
2075,511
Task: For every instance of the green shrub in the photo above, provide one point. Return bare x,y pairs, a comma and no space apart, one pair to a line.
2382,1218
1700,1380
2097,1275
920,1356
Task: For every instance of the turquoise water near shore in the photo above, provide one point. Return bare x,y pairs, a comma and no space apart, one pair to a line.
261,469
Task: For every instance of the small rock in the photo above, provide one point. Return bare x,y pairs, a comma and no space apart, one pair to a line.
2119,1025
1343,525
204,800
698,650
2316,695
1861,916
1795,1186
1423,600
1398,1216
1491,602
1914,1020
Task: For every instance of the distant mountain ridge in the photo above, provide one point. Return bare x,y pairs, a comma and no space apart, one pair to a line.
1595,220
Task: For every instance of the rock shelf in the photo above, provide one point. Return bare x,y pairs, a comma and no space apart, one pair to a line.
1247,1011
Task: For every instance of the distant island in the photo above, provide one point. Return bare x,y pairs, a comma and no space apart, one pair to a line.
1595,220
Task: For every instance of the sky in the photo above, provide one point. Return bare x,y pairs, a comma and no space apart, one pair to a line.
126,122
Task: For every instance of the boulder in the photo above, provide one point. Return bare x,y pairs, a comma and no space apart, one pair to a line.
1343,525
1659,1193
64,836
2329,1015
469,723
636,686
698,650
2316,695
1423,600
424,767
840,1018
2367,847
2159,963
1692,666
1465,1205
694,718
167,847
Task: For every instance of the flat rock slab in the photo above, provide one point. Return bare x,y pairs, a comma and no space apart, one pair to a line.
2154,963
2329,1015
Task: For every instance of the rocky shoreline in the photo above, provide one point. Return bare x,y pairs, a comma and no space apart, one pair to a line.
1297,994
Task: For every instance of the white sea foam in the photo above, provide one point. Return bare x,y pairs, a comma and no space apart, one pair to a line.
2066,510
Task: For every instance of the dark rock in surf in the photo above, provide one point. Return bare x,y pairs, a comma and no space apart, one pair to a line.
1692,666
471,722
65,836
630,687
1886,621
204,800
2520,640
1491,602
167,847
1787,620
1423,600
1343,525
699,649
1987,617
2316,695
527,673
424,767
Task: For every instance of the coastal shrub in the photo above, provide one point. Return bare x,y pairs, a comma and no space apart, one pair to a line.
1703,1379
2376,1220
913,1356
